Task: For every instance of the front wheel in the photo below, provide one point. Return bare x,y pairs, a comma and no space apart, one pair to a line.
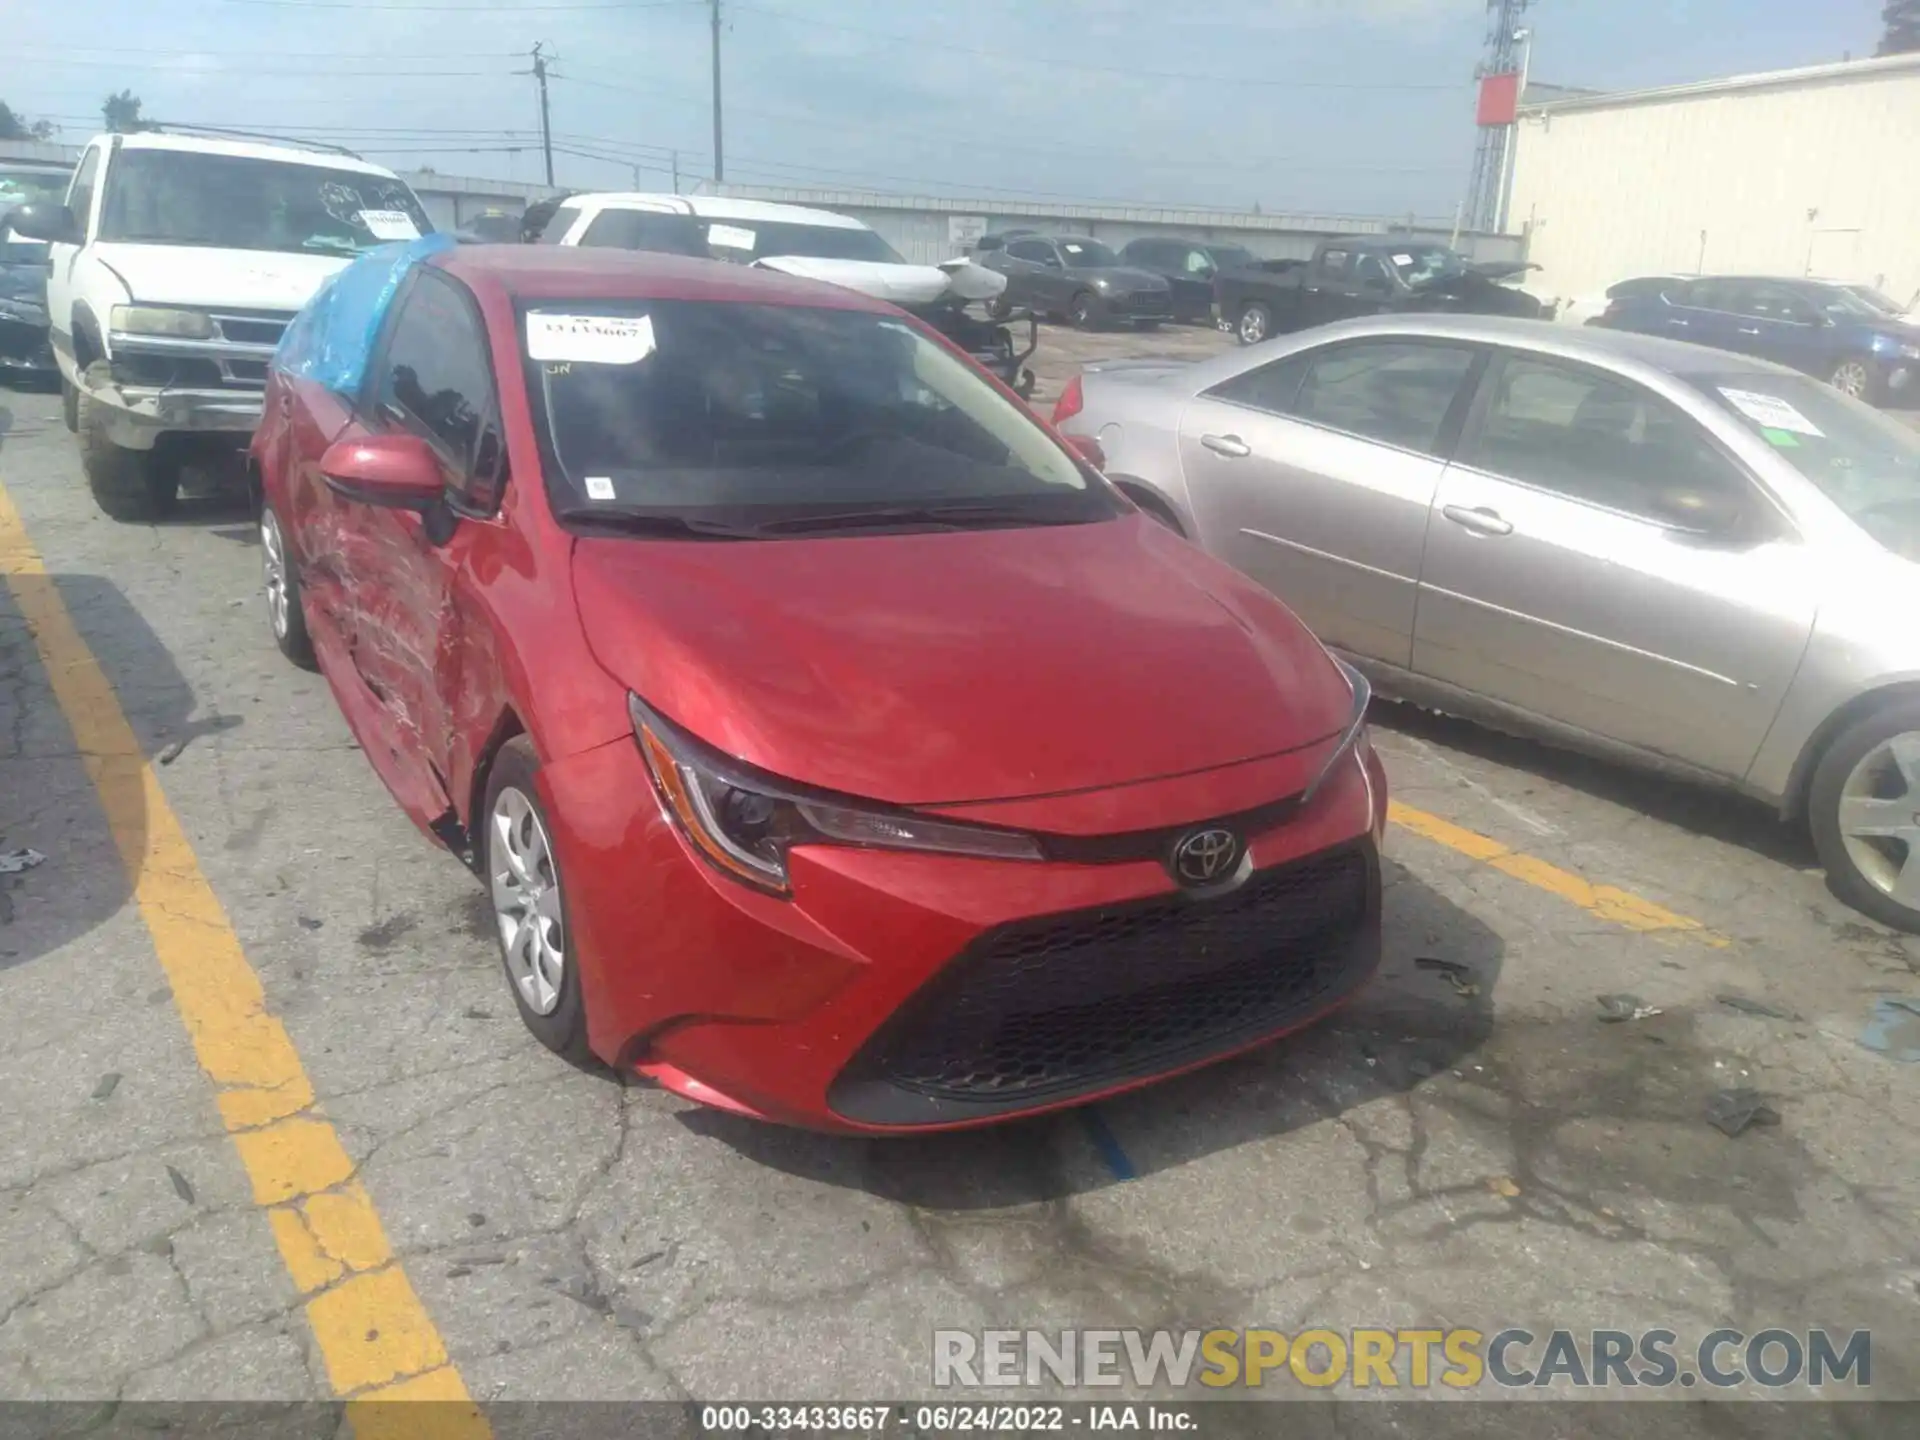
285,616
1855,378
1864,810
1255,324
522,871
1084,311
127,485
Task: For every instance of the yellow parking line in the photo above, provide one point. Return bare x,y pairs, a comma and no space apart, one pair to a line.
1607,902
373,1333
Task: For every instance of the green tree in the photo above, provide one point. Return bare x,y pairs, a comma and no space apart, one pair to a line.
1902,19
122,113
12,127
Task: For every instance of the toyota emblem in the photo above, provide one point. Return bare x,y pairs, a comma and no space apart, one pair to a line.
1206,857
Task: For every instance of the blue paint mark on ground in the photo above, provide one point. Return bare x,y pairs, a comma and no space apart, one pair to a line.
1104,1141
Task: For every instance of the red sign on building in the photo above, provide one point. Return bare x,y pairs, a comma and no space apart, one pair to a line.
1500,98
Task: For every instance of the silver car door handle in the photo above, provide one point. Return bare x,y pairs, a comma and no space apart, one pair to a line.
1675,320
1480,520
1229,445
1749,329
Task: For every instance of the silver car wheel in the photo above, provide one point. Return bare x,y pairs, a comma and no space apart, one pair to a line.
1852,378
1880,818
273,567
526,901
1253,325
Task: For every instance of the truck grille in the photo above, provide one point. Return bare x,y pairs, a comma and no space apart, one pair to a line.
1041,1010
251,327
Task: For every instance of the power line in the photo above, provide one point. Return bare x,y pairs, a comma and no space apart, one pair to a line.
1053,63
474,9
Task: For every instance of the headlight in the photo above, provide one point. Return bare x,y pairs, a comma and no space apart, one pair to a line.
1101,282
745,823
1356,727
155,320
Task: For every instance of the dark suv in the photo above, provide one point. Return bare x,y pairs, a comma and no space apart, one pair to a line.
1188,267
1824,329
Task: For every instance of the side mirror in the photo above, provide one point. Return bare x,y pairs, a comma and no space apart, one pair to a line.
1701,512
395,472
46,221
1088,450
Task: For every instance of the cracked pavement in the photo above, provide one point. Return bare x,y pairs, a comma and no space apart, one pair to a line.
1489,1154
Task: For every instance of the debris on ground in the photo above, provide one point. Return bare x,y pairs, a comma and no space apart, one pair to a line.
182,1186
1616,1008
1504,1185
1459,976
108,1084
1747,1005
172,751
1732,1111
14,861
307,922
1893,1028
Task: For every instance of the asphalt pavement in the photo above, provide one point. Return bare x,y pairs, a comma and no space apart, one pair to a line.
272,1130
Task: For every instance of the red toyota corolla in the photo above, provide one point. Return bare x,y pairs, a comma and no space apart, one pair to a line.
836,745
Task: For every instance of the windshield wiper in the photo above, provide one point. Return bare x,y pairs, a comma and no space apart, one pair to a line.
656,522
953,517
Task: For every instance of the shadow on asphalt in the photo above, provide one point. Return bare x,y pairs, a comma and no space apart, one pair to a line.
48,800
1722,815
1409,1024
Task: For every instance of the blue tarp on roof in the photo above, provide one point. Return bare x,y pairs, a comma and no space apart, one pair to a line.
331,337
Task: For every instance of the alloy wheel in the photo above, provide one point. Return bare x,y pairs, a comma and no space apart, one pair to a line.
1253,325
1880,818
526,901
273,567
1851,378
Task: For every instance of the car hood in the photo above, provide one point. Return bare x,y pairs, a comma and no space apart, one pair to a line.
198,275
1126,277
960,666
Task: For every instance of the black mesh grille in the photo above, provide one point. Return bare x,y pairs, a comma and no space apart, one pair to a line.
1045,1008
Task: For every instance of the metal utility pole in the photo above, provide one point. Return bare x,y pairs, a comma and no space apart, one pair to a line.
1486,192
676,172
546,131
719,161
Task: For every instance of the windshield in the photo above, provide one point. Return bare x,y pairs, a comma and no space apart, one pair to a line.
759,413
1087,253
744,241
1866,463
20,186
179,197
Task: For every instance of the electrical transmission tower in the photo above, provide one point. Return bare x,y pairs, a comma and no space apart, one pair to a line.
1506,42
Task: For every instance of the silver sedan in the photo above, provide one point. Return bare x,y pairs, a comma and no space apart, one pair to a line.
1628,545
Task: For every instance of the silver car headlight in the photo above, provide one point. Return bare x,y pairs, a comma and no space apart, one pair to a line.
160,320
1350,735
744,822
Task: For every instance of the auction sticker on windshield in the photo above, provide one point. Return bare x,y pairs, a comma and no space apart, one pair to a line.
730,237
390,224
589,339
1770,412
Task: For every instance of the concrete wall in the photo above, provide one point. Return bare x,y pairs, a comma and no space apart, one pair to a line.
926,229
1813,172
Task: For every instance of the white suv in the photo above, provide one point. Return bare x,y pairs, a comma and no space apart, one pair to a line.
177,262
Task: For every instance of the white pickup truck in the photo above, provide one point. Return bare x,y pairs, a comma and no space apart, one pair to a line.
176,263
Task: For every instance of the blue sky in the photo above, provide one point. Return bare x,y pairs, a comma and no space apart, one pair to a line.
1347,106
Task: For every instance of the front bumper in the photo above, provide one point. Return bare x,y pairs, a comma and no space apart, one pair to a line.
898,991
1139,305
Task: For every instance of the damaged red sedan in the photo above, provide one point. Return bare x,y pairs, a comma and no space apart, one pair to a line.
836,745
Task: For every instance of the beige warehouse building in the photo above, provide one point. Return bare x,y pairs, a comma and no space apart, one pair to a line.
1797,172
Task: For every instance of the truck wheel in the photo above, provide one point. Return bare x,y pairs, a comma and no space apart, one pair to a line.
70,404
1255,324
1856,378
128,485
1083,310
1864,810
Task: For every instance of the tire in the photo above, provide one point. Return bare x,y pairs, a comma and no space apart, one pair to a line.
999,308
515,844
1153,508
1083,311
1856,377
1146,324
286,618
70,404
1871,848
1254,325
127,485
